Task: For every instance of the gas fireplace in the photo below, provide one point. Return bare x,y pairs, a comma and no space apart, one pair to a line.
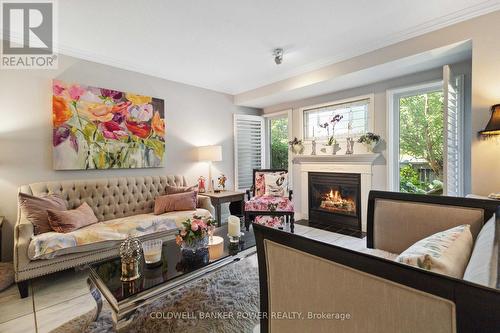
334,199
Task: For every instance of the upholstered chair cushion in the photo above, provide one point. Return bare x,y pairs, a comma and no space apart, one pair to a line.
179,189
270,221
446,252
35,209
269,204
175,202
71,220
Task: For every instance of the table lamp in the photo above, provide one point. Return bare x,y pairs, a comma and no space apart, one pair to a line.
493,126
210,154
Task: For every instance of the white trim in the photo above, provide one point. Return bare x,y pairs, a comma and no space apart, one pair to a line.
275,114
393,96
280,114
371,112
290,155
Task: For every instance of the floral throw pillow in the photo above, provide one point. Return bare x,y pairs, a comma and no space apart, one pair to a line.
276,184
446,252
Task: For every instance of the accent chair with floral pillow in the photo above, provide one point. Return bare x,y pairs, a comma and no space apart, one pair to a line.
269,196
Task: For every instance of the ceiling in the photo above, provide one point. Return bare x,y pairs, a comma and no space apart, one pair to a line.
226,45
446,55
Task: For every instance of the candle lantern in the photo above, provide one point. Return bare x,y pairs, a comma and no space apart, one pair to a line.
130,255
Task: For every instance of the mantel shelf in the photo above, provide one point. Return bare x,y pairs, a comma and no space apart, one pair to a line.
336,159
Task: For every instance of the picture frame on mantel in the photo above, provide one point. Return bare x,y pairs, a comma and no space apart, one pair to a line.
98,128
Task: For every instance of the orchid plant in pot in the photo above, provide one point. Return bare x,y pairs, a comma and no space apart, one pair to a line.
369,140
331,138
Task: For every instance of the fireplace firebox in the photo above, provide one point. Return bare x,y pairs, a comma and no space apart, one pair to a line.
335,199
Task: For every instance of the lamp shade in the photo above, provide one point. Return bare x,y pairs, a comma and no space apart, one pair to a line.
210,153
493,127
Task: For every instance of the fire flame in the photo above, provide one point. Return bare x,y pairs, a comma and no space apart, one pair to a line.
334,201
334,196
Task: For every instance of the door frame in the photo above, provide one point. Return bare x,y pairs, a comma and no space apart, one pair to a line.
280,114
393,96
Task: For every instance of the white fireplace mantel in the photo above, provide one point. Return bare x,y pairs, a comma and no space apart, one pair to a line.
342,159
356,163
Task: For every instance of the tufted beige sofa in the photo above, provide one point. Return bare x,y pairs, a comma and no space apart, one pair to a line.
110,199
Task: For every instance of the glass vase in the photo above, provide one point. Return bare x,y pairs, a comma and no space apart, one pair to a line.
195,251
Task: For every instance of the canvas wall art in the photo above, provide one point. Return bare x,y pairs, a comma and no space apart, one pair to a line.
96,128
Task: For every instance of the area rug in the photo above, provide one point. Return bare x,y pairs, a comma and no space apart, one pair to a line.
225,301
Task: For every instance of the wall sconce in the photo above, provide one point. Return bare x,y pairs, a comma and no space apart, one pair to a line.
493,127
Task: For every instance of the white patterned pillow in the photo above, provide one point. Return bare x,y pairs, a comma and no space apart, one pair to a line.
276,184
446,252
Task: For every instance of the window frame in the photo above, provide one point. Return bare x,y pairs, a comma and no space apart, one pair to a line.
279,114
393,126
370,113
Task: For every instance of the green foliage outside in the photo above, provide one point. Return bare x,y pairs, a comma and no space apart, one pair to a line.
410,183
279,143
421,137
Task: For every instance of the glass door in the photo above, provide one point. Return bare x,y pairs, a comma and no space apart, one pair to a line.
426,131
421,154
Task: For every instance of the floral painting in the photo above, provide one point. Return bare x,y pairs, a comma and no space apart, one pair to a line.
96,128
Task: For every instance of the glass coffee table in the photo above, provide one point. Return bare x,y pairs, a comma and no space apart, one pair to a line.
126,297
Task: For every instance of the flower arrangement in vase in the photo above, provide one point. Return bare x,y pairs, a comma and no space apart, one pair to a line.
297,146
331,138
193,237
369,140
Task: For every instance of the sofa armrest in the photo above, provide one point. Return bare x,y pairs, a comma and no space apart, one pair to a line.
23,232
206,203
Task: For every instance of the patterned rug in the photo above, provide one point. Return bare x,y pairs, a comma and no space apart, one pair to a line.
231,294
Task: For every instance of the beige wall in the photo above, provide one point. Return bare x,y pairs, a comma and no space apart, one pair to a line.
193,116
484,32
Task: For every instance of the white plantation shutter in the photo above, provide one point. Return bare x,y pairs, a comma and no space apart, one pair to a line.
248,148
453,133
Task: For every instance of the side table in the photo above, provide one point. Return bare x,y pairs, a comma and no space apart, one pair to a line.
224,197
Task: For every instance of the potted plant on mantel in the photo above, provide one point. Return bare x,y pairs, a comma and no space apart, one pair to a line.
370,141
331,146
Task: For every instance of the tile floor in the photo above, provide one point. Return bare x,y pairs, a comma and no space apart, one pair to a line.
57,298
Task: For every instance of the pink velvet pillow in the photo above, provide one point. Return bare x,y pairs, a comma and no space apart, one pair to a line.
172,202
180,189
71,220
